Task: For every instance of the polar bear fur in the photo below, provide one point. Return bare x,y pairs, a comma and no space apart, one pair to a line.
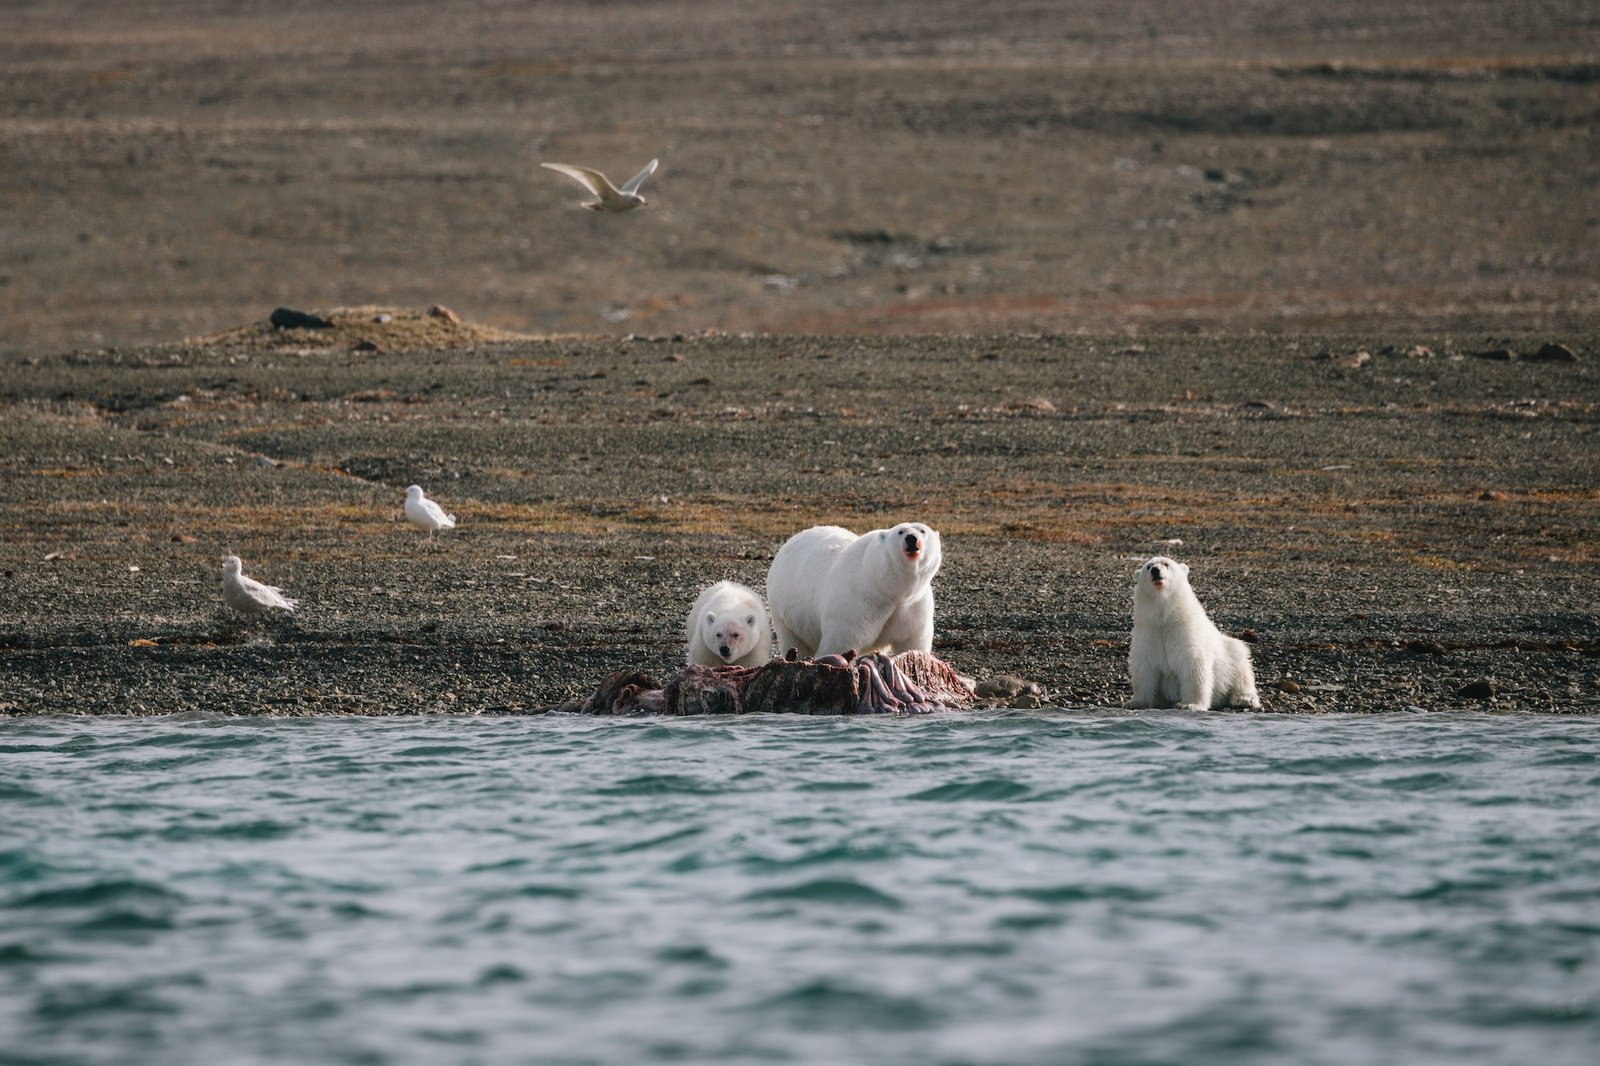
832,591
1178,657
728,626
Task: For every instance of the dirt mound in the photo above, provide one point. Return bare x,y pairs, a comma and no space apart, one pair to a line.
363,329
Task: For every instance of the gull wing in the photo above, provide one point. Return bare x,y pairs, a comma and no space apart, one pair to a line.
265,595
638,179
596,182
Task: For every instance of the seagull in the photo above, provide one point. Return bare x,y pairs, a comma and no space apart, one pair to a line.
425,514
248,596
611,198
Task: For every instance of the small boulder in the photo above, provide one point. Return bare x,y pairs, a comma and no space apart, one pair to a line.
1553,353
1008,686
288,318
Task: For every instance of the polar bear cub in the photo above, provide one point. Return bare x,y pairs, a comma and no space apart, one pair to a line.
833,591
728,626
1178,657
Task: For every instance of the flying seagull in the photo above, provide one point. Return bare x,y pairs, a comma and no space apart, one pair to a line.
248,596
425,514
610,197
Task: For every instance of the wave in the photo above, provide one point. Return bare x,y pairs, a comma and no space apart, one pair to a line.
837,1004
844,892
997,789
100,893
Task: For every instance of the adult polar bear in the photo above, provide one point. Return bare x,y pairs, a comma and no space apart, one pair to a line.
1177,656
832,591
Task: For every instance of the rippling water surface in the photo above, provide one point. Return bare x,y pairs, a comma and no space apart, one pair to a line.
1042,887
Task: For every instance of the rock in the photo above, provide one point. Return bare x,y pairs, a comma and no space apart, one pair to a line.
288,318
1499,355
1493,495
1348,361
365,345
1425,647
1291,687
1481,689
1026,701
441,311
1008,686
1553,353
1250,636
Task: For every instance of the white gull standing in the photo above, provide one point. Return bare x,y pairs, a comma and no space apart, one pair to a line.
610,198
425,514
248,596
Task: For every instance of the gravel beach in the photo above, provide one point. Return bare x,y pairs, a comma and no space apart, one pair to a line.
1396,522
1304,296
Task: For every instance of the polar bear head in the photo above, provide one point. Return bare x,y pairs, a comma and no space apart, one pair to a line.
1159,577
912,546
728,635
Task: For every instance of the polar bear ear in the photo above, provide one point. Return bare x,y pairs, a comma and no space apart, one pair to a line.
711,618
1185,568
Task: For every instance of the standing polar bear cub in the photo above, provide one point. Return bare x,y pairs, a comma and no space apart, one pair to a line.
833,591
1178,657
727,626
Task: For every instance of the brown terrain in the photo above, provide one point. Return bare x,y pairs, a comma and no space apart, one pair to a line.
1303,294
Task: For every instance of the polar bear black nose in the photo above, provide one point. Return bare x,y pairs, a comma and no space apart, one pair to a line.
724,651
1155,573
911,542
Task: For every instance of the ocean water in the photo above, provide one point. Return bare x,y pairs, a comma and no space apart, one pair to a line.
1046,887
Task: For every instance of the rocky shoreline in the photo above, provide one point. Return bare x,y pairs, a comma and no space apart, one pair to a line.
1394,522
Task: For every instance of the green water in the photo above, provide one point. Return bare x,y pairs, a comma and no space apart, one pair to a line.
1043,887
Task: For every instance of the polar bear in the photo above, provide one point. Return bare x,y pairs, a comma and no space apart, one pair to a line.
728,626
1178,657
832,591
